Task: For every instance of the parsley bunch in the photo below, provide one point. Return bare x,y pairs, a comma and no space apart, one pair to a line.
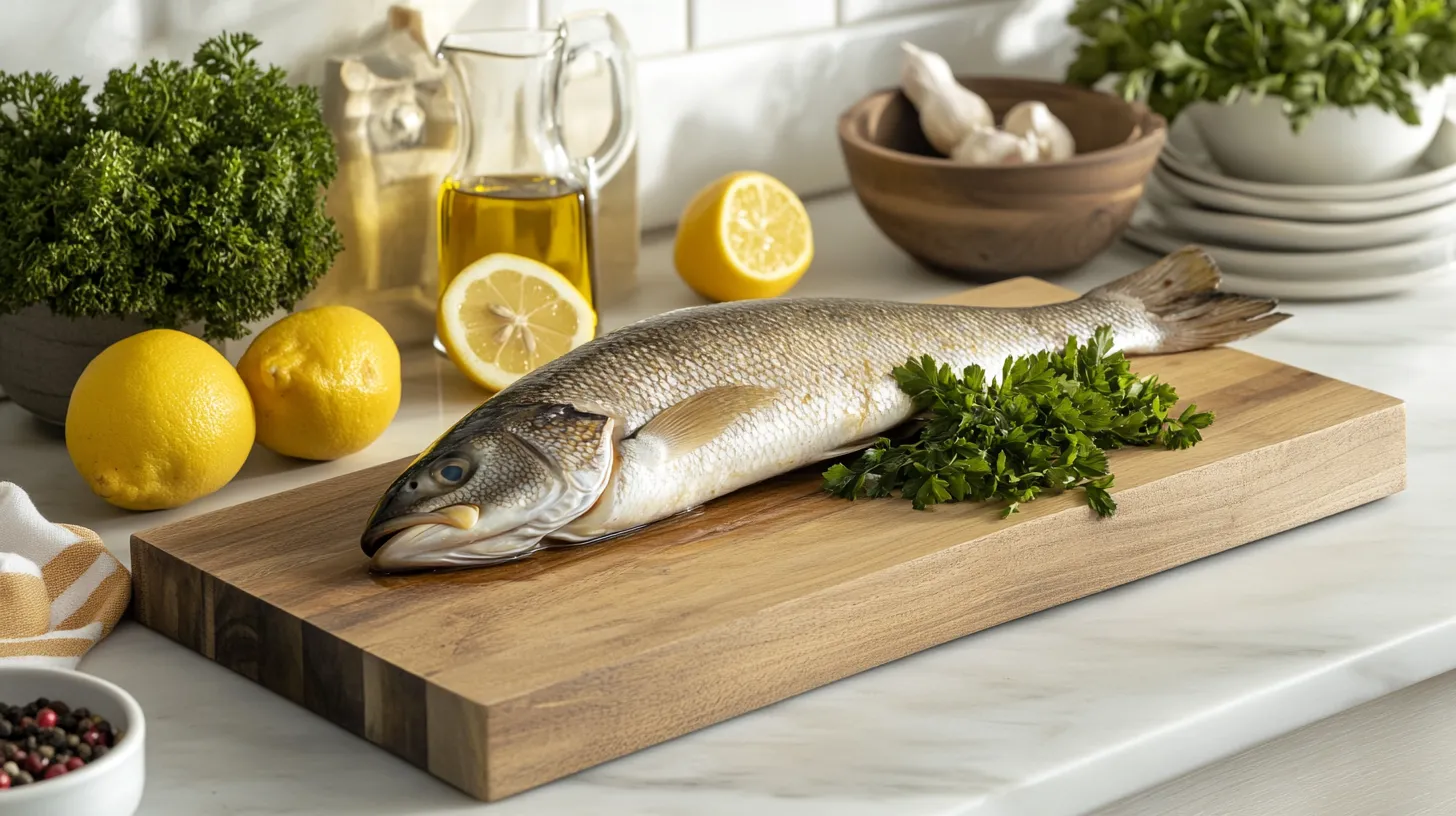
1044,426
189,194
1311,53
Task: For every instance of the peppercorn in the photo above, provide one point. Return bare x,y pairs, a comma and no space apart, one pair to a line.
46,718
54,771
67,722
23,778
31,743
4,780
10,768
6,729
98,751
82,713
83,751
46,751
60,708
72,740
84,724
92,738
74,762
35,763
9,750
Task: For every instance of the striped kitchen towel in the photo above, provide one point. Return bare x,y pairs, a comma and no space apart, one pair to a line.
60,590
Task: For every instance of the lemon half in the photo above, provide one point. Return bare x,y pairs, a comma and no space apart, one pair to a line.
506,315
744,236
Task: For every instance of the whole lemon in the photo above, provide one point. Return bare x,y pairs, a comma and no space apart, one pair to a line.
157,420
325,382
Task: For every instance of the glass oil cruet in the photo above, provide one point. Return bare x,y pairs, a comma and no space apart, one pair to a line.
513,186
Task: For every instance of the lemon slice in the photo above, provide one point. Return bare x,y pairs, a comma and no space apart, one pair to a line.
506,315
744,236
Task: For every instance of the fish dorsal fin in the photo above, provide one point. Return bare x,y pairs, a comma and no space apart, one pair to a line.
685,426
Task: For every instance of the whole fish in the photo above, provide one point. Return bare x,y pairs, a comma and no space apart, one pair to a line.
672,411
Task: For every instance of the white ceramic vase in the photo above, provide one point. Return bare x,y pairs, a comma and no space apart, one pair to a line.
1253,140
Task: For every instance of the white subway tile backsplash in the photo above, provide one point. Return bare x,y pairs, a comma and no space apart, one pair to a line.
773,105
764,92
654,27
853,11
486,14
716,22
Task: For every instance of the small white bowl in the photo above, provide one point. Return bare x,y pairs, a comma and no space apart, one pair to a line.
111,785
1252,140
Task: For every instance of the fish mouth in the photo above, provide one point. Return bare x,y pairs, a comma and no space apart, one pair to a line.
458,516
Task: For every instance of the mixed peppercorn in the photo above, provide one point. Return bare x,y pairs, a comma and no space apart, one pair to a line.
47,738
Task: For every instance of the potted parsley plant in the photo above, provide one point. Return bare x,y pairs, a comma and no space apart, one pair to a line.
1285,91
183,196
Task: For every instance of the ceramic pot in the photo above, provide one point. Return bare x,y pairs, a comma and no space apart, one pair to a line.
42,355
1252,140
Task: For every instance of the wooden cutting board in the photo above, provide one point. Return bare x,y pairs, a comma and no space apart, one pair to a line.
500,679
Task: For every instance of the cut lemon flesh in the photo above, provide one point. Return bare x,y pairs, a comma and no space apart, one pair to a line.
506,315
744,236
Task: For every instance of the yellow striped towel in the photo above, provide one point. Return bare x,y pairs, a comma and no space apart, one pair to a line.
60,590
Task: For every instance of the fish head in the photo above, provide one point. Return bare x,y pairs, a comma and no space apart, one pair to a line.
491,488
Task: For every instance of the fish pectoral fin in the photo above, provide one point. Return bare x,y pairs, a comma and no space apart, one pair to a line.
685,426
844,450
897,434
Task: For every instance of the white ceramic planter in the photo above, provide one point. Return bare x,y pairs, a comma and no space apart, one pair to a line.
1253,140
42,355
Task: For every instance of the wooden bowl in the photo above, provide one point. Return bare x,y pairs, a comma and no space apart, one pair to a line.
1002,221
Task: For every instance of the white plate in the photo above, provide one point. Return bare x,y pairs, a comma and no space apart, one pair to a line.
1254,232
1185,155
1323,211
1309,276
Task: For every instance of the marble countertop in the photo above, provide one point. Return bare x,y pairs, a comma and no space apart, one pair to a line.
1057,713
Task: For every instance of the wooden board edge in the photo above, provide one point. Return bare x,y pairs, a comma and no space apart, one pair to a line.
866,619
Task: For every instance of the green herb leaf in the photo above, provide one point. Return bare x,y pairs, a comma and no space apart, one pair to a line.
190,194
1044,426
1311,53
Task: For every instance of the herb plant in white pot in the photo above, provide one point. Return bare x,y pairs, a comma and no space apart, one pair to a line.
1283,91
181,196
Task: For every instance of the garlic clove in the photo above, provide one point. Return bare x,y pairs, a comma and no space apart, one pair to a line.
991,146
923,73
1035,121
947,123
948,110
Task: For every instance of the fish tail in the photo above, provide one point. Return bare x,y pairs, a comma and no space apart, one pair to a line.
1180,293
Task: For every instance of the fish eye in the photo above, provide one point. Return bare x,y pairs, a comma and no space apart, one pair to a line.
451,471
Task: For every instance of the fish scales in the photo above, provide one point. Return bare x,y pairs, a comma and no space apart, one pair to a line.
678,409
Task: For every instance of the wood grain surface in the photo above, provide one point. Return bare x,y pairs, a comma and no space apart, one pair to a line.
501,679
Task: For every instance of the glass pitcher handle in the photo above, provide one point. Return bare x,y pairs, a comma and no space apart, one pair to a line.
600,33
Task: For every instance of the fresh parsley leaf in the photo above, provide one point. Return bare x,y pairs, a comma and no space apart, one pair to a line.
182,194
1310,53
1045,425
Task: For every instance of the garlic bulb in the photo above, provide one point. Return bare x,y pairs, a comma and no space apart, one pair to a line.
949,111
1034,121
993,146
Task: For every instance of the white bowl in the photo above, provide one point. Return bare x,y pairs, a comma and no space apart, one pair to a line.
1257,232
1166,185
1251,139
1186,156
111,785
1306,275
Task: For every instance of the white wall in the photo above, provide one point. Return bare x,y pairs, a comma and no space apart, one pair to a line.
723,84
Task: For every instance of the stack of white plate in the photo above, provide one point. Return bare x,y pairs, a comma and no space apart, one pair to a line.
1315,242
